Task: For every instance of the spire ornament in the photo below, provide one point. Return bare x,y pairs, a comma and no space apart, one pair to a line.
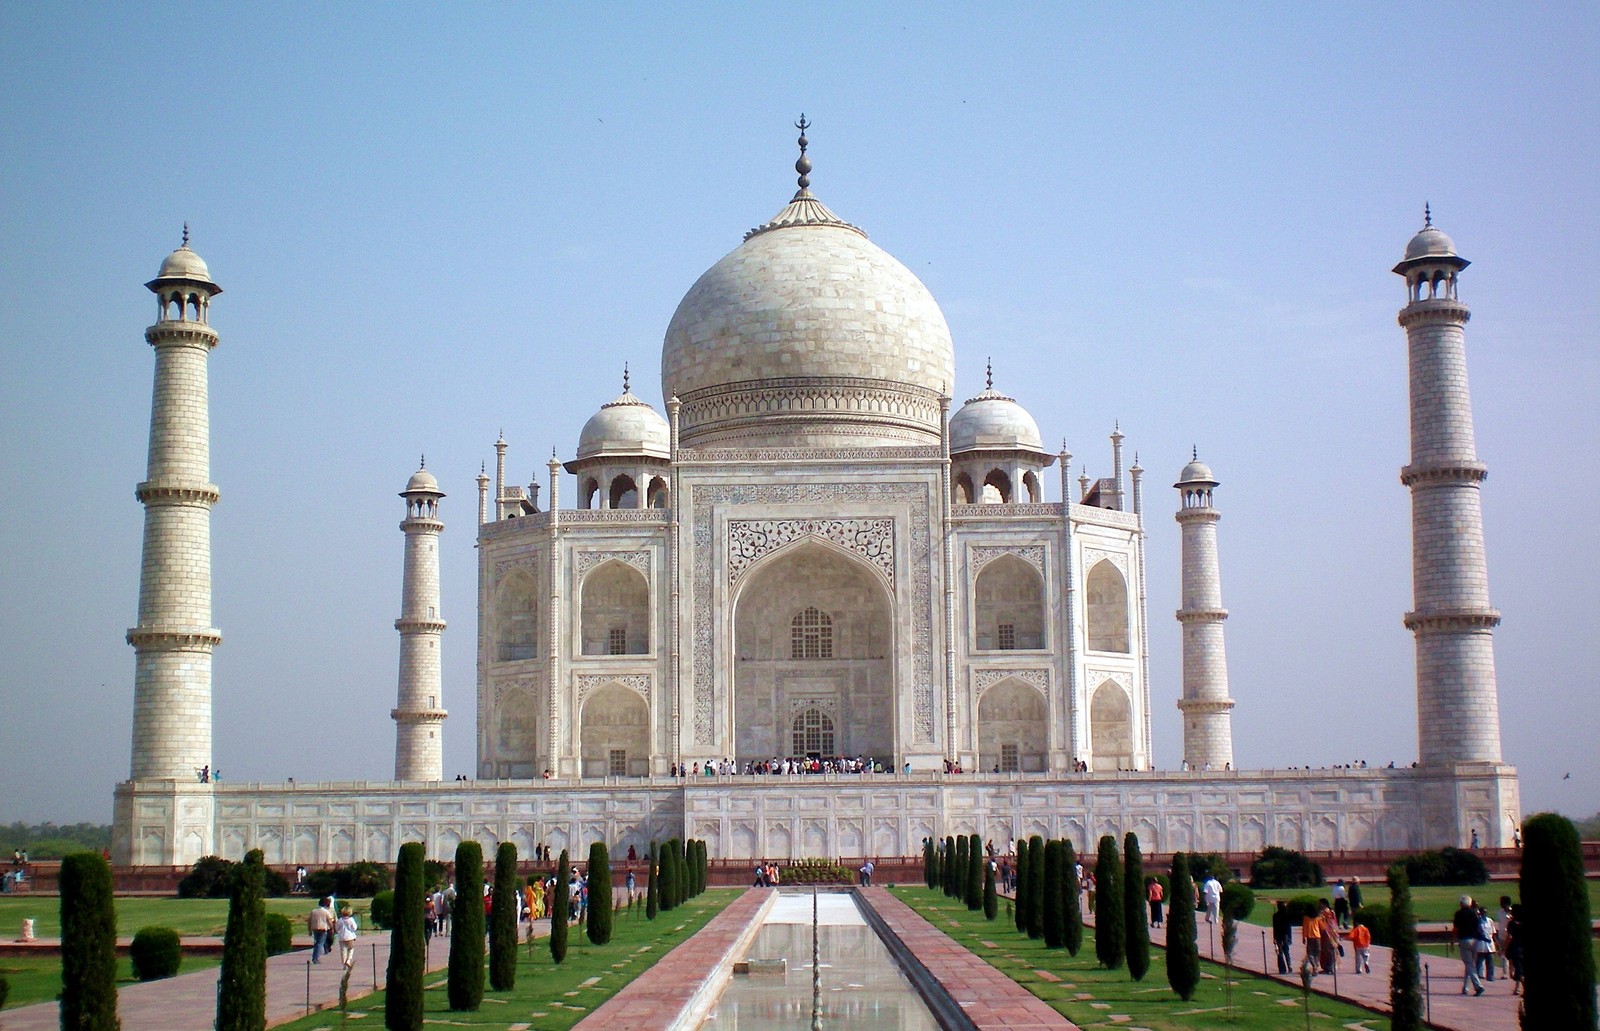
803,163
186,235
1427,215
624,377
988,373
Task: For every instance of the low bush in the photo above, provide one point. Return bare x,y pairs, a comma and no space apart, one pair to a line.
1375,919
1446,866
435,873
1302,906
1202,864
1237,900
156,953
212,878
1284,868
280,934
815,871
356,881
383,910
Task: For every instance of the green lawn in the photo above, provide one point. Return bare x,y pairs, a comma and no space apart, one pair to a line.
551,996
1431,904
38,978
1075,985
190,917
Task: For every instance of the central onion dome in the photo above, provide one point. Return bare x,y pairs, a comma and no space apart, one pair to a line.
807,335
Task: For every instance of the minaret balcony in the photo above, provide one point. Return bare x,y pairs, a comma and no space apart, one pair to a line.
1434,309
419,626
175,492
1452,620
1202,615
1424,474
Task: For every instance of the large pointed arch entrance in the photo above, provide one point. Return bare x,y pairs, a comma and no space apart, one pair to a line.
813,667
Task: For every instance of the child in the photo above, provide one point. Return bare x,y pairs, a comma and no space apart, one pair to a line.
1361,939
347,937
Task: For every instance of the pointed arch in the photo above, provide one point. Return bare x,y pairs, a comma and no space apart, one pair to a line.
588,492
1012,721
659,494
1106,594
516,618
997,488
614,610
963,489
614,733
1009,606
1111,727
623,493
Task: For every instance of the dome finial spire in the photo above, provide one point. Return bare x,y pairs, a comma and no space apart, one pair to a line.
1194,452
624,377
988,373
1427,215
424,463
185,234
803,163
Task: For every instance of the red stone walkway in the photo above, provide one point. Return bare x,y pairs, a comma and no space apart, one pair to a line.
654,1000
991,999
188,1002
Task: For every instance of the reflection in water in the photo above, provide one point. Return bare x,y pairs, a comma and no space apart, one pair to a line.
862,987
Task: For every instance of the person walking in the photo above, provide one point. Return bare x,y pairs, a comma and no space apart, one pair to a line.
320,923
1488,934
1361,941
1211,890
1341,904
1283,936
1511,936
1329,943
347,931
1465,927
1155,895
1311,934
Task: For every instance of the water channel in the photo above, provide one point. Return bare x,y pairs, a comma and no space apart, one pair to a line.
862,987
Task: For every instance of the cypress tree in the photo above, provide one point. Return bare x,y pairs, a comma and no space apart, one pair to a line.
558,909
991,901
1055,924
691,854
929,863
408,946
88,944
503,920
242,983
1023,886
465,986
1036,887
668,850
1072,893
1110,932
1183,953
958,865
1134,908
699,866
974,875
1405,965
1555,917
599,928
652,902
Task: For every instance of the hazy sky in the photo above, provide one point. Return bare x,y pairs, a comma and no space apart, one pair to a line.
435,224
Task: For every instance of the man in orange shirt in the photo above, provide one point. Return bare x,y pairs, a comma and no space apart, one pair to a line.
1361,941
1311,934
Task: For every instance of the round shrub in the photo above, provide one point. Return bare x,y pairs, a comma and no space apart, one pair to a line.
383,910
211,878
1284,868
280,934
1375,918
1302,906
1446,866
156,953
1237,900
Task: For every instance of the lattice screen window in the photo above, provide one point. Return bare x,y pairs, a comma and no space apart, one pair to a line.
617,643
813,733
811,635
1009,762
1008,637
617,762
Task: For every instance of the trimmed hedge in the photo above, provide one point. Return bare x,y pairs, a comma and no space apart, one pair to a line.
507,906
408,946
652,902
1072,896
1110,930
212,878
1135,910
1055,916
1445,866
599,917
1284,868
991,901
1183,952
356,881
1555,916
815,871
383,910
1238,901
561,903
242,982
156,953
279,934
1405,966
465,983
88,944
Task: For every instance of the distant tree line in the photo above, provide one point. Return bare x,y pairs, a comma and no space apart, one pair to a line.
53,841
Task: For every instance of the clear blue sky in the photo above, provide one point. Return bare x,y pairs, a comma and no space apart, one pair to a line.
434,224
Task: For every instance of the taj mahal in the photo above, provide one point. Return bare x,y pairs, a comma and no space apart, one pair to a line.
811,558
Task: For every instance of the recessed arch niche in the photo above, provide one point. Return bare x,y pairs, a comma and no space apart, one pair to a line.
1008,610
615,611
1111,727
1012,722
614,733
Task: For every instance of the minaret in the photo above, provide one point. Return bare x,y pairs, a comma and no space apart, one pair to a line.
483,495
1116,466
418,714
1458,709
174,638
1207,709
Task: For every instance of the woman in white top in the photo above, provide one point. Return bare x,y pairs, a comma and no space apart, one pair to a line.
346,928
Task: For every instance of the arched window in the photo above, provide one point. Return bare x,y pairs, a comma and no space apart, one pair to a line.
590,488
963,491
624,494
1107,594
996,488
659,496
811,635
615,611
517,617
1009,606
813,733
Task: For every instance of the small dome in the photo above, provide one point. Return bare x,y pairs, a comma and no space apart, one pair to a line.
994,422
185,264
1431,242
1196,472
626,427
422,482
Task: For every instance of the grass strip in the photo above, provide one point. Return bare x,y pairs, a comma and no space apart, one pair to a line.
1091,997
37,979
553,997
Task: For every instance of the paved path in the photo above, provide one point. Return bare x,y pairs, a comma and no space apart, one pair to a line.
188,1002
992,1000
